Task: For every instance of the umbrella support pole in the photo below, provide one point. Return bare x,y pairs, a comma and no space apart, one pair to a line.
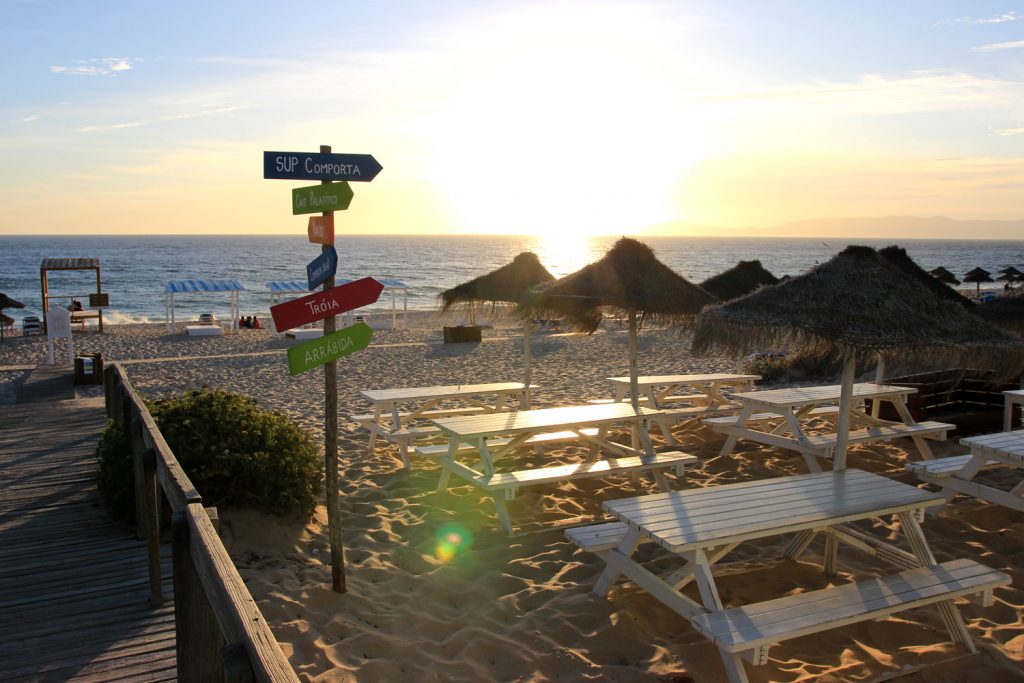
527,352
845,403
876,405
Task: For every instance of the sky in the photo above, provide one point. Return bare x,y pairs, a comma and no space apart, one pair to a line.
720,117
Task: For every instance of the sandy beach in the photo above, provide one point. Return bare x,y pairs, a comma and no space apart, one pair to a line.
521,609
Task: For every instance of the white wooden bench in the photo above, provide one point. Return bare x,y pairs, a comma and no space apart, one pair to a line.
596,538
539,440
364,420
751,630
765,417
509,482
944,467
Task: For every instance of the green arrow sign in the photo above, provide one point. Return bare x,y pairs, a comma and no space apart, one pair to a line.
317,198
314,353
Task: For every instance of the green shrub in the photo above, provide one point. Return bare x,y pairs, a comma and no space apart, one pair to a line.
239,455
235,453
116,480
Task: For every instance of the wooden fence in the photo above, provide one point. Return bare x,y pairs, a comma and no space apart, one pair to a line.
219,630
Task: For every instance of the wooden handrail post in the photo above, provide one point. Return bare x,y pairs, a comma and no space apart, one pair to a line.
108,390
197,634
152,503
237,667
138,470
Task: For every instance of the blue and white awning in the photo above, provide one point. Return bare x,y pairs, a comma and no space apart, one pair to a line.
181,286
287,287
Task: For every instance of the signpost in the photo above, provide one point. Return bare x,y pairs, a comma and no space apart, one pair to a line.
321,229
316,352
322,267
325,305
322,166
317,198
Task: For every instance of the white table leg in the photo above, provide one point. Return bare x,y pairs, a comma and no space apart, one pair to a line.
610,574
741,422
442,482
919,546
373,427
709,596
799,543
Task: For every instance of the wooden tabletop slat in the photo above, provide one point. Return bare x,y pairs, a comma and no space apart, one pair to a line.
803,396
493,424
452,390
663,380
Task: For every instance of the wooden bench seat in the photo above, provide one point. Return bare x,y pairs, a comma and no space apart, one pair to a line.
596,538
510,481
945,467
764,417
426,414
928,430
441,450
664,401
756,627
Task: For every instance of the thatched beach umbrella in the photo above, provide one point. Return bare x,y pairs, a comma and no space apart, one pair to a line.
1010,270
944,275
628,279
898,257
743,278
501,288
7,302
858,305
1009,275
977,275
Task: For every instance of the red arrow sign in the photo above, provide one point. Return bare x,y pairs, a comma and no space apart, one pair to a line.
309,309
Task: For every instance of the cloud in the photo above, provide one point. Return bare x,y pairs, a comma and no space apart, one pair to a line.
997,47
28,119
980,21
1010,131
159,119
877,94
108,66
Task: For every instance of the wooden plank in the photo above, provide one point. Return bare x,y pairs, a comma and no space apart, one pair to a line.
594,469
772,621
798,396
451,390
554,419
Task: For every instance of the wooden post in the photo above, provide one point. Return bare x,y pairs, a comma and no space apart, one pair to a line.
108,390
331,441
528,331
152,506
139,470
845,404
197,634
876,404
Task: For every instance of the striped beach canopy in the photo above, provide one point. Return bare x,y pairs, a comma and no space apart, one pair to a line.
287,287
181,286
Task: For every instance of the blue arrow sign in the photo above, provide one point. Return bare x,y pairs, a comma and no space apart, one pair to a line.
322,267
319,166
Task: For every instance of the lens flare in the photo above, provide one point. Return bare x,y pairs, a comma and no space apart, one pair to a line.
452,541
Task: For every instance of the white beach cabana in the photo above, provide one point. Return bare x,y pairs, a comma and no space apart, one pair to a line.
229,287
394,286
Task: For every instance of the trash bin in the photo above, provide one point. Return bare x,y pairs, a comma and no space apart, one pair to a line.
89,368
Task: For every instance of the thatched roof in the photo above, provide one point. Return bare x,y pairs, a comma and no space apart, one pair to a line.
1005,311
502,286
1009,277
977,275
628,278
8,302
898,257
6,319
1010,270
858,303
946,278
743,278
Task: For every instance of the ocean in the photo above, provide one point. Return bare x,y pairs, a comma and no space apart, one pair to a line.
134,269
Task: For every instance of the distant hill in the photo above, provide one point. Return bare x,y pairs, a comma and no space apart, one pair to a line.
938,227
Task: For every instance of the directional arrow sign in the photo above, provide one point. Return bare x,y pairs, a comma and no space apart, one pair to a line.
316,352
313,307
317,198
322,267
319,166
321,229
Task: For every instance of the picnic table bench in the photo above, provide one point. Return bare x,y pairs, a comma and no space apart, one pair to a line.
990,451
497,436
702,526
779,417
404,427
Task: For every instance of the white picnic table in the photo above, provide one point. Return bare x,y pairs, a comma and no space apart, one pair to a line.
396,411
956,474
702,526
491,437
778,417
682,398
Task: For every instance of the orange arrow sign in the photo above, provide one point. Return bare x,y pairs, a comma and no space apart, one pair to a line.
321,229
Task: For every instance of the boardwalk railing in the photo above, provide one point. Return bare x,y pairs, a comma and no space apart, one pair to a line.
219,631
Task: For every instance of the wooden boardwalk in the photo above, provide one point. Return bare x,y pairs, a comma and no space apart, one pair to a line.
73,584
